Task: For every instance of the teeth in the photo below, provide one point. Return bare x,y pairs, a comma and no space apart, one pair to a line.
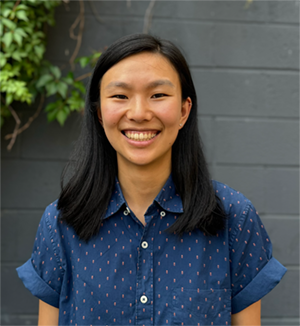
140,136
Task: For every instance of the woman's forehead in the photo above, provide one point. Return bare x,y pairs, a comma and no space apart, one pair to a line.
137,66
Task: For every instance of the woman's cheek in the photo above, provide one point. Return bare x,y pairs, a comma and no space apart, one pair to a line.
170,114
111,114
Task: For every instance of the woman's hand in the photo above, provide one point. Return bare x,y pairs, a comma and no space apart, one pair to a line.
248,316
48,315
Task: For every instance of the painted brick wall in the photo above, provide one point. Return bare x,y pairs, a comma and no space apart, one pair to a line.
245,64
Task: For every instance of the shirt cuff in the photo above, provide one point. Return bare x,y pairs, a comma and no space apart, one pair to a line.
36,285
261,285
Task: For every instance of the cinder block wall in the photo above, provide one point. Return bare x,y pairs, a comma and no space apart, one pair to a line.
245,64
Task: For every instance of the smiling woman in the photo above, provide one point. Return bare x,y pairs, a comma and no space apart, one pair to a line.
140,234
142,111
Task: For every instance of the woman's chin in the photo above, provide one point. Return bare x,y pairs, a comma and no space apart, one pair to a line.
143,161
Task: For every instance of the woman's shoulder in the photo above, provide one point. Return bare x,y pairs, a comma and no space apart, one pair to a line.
229,196
51,214
51,221
236,205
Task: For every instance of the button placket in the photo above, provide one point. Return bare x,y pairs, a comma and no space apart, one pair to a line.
144,292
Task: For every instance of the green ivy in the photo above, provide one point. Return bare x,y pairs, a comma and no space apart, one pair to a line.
24,72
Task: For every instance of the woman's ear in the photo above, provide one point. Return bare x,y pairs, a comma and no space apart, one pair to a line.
99,116
185,111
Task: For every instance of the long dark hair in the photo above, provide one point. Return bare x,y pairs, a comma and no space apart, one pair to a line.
92,169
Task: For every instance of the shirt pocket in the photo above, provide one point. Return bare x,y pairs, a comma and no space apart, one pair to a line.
201,307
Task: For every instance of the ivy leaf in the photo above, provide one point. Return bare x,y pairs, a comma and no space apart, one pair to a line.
51,88
75,101
52,114
94,58
69,79
84,61
18,38
62,115
2,61
44,80
50,107
79,86
7,39
9,98
39,50
8,23
70,75
16,56
55,71
20,31
22,15
28,48
6,12
21,7
96,55
62,89
23,54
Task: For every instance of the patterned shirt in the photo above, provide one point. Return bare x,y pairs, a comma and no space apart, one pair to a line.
135,274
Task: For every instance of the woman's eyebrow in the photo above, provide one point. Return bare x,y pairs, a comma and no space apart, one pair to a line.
118,84
153,84
160,82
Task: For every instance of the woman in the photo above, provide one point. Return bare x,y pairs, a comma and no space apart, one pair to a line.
140,234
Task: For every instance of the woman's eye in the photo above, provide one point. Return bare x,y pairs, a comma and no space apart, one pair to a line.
121,97
158,95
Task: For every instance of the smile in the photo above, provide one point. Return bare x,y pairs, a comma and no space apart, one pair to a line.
140,135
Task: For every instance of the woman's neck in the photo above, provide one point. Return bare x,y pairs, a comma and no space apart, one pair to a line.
140,185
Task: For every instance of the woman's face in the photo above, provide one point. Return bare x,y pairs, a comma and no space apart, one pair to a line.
142,109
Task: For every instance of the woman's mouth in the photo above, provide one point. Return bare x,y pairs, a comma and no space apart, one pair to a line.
140,135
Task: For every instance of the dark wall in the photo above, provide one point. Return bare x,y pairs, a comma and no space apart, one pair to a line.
245,64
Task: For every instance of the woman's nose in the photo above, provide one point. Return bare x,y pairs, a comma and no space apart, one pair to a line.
139,110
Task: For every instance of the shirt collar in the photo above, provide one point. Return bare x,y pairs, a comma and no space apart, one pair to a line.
117,200
168,199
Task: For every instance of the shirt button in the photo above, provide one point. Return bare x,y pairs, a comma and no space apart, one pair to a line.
143,299
162,213
144,244
127,211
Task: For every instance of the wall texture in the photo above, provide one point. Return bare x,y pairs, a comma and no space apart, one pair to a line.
245,64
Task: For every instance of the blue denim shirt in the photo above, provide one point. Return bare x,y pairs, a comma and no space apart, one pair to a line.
132,274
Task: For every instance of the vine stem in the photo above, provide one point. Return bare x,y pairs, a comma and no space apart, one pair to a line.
148,17
16,5
95,11
80,20
18,122
88,74
28,123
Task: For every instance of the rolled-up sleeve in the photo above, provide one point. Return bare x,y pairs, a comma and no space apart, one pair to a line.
43,273
254,271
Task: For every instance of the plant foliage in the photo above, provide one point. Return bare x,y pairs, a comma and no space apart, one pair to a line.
24,72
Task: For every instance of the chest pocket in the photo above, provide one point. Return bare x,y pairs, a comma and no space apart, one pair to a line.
204,307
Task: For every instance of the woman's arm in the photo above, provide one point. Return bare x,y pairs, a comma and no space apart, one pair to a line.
48,315
248,316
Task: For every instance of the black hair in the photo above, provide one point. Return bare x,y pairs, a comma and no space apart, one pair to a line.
85,197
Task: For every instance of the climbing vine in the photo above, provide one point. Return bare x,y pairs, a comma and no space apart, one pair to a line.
25,75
